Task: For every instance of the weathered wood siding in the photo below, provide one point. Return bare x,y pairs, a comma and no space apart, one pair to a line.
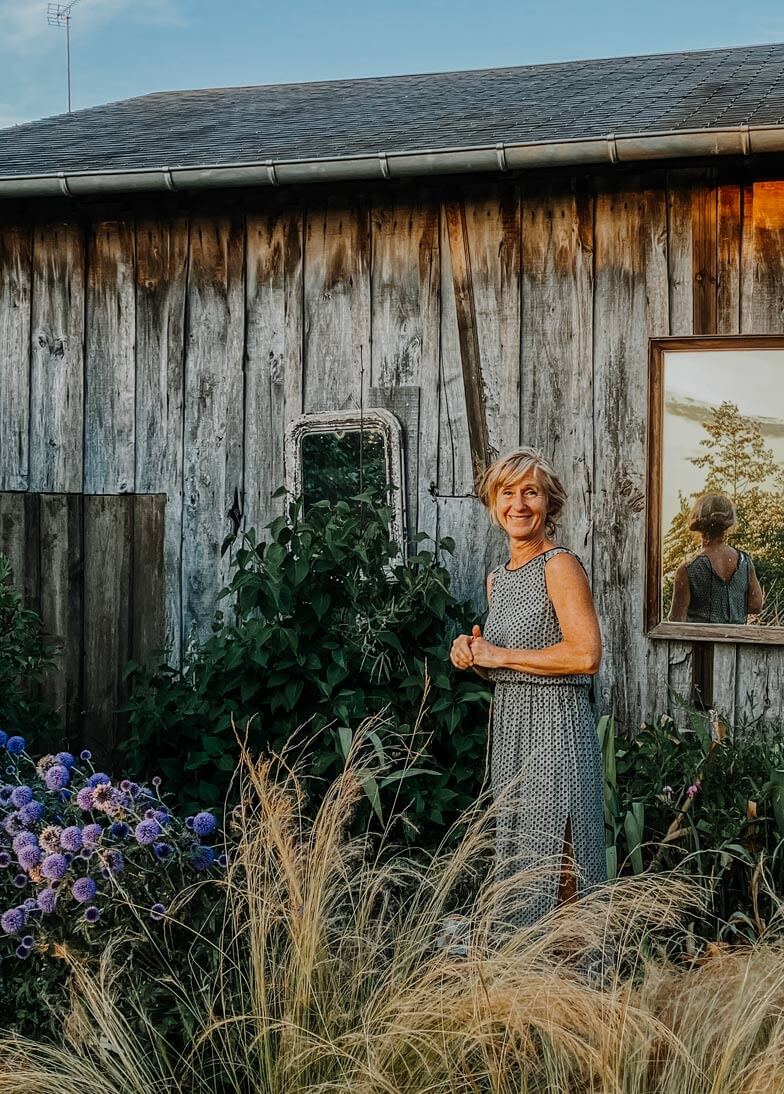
155,352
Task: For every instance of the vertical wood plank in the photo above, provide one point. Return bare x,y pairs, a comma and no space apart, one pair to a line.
626,221
480,547
62,584
557,346
57,365
15,319
147,622
273,354
488,244
760,669
108,545
19,539
213,412
110,402
405,328
337,305
161,275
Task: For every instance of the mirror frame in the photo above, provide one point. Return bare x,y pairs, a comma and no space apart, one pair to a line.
332,421
655,626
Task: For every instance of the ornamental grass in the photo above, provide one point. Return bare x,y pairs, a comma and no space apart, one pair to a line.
347,964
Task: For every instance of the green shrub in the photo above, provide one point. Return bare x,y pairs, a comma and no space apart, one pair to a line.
25,659
326,626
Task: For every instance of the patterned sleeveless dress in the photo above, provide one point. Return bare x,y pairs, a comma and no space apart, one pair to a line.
711,598
545,757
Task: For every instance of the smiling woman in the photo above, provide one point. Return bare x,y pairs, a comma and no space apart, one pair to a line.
540,647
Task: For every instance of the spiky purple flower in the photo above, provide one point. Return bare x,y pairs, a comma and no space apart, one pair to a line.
20,881
98,778
91,834
113,861
22,952
85,754
13,921
15,745
57,777
204,824
119,830
24,839
5,860
147,831
92,914
202,858
84,799
83,889
158,911
28,942
65,758
162,850
29,856
54,867
31,813
21,795
71,839
47,900
13,825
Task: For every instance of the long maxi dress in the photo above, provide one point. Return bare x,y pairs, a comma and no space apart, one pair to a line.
545,757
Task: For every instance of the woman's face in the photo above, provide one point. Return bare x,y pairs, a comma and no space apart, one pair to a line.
521,508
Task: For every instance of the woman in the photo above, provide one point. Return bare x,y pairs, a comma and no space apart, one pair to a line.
718,585
541,646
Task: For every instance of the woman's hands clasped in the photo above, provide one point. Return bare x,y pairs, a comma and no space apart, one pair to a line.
472,651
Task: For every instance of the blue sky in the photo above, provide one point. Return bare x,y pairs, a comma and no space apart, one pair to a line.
123,48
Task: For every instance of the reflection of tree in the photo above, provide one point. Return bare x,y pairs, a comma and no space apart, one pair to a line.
339,464
737,462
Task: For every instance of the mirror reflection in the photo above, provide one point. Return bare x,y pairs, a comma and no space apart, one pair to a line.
340,463
723,487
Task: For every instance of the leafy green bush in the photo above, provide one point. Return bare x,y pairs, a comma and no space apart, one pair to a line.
25,658
326,626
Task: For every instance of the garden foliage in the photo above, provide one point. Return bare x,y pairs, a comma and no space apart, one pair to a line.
325,625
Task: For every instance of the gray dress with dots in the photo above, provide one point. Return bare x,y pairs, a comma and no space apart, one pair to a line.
545,759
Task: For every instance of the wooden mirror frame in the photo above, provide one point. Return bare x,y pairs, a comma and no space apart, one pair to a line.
655,626
331,421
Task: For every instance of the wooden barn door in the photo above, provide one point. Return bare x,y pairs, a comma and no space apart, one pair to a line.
92,565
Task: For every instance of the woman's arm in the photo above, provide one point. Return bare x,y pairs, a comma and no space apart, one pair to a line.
754,592
479,669
580,650
681,595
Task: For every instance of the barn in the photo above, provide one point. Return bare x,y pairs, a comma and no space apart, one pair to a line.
480,259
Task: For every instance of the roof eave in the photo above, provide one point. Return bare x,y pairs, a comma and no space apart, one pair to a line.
742,140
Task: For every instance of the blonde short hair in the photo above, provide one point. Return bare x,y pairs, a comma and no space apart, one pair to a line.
512,467
712,514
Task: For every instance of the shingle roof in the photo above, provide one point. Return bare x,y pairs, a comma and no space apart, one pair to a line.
628,95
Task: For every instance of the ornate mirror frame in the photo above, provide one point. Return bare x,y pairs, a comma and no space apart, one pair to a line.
333,421
655,626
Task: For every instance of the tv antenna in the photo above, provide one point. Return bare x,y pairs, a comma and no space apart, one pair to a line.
59,15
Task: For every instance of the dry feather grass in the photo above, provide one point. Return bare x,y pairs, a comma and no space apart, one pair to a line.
332,981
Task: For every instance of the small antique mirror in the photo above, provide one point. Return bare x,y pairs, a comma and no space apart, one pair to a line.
338,454
715,532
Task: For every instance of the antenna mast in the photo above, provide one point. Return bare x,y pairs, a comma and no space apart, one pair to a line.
59,15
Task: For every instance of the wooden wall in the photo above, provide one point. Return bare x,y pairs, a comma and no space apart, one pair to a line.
166,353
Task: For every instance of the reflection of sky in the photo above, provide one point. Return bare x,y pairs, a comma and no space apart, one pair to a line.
752,379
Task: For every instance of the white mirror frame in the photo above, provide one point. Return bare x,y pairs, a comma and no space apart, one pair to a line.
333,421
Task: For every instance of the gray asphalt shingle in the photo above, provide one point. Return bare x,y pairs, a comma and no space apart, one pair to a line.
627,95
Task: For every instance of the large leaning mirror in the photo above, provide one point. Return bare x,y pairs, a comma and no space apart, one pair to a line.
338,454
716,489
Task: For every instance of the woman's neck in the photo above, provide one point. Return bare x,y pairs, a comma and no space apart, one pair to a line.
523,550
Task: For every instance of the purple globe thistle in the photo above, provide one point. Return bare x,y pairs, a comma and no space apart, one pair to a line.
57,777
92,914
119,830
21,795
29,856
83,889
20,881
156,781
13,921
163,817
84,799
113,861
66,759
31,813
24,839
5,860
71,839
85,754
98,778
91,834
189,823
30,905
22,952
202,858
47,900
15,745
50,838
13,825
28,942
54,867
147,831
158,911
204,824
162,850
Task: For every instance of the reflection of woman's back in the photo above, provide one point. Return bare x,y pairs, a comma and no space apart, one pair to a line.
719,584
712,599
